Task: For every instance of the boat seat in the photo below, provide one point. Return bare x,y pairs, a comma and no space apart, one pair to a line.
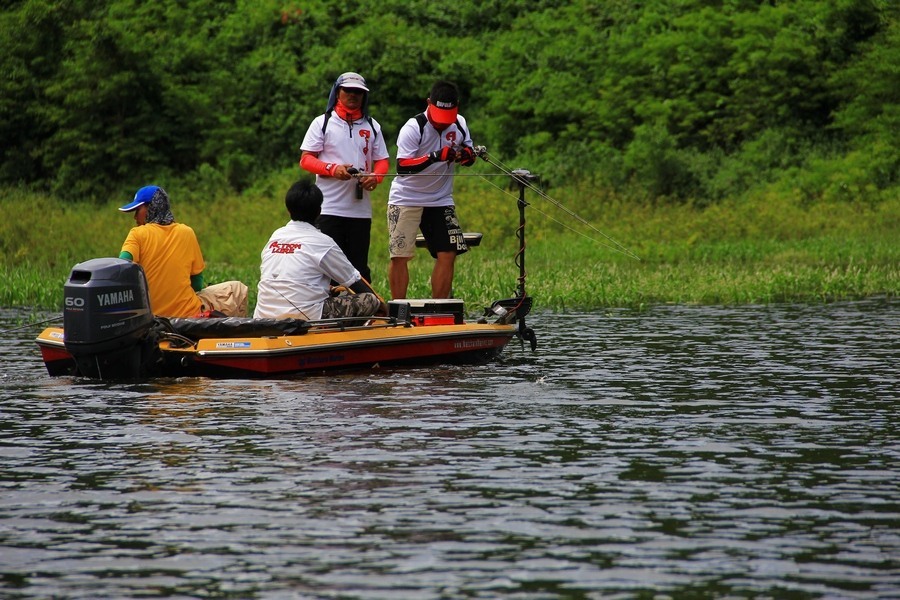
233,327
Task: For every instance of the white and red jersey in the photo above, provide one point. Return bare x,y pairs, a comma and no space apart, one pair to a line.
298,264
359,144
433,186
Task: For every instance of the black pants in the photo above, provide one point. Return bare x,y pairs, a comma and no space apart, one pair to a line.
353,236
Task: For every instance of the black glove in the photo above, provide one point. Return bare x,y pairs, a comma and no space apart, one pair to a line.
466,156
445,154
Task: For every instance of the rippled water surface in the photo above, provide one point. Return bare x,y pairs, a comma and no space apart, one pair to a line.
677,452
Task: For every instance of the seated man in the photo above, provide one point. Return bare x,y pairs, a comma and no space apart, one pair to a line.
170,255
299,262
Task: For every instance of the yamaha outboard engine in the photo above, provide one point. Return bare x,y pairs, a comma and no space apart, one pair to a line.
107,318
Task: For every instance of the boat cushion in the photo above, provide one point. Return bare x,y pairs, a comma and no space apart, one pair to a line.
232,327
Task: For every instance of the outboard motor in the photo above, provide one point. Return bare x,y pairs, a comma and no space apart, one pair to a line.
107,318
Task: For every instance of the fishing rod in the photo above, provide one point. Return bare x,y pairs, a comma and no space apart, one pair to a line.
26,326
528,182
358,174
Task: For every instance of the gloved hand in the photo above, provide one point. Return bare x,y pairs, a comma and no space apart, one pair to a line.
445,154
466,156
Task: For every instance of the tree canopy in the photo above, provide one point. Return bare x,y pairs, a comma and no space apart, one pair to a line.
697,99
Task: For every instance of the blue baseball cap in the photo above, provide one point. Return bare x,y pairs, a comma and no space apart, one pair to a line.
143,196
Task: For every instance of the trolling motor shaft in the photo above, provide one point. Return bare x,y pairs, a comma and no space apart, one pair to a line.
523,178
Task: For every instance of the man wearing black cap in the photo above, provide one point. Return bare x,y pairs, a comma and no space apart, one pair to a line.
299,262
338,143
428,147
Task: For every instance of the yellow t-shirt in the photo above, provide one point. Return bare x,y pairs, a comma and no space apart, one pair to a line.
169,255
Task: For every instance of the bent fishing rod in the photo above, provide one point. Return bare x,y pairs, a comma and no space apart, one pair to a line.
529,183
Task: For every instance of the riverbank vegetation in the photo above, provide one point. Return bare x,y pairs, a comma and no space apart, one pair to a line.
759,250
745,151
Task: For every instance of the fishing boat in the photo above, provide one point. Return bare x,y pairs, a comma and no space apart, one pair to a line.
109,331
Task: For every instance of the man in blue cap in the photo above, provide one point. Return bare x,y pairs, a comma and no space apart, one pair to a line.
170,255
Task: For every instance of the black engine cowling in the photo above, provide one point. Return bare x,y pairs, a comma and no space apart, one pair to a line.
107,318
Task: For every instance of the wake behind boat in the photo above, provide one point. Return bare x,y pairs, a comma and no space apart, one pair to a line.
109,331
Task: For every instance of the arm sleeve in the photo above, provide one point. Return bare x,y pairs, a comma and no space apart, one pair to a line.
409,159
197,282
126,256
311,163
379,168
405,166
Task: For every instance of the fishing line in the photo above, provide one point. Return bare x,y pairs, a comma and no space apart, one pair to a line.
618,247
434,174
58,318
505,171
564,225
297,308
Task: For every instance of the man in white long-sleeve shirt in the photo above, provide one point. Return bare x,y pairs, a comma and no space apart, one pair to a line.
299,262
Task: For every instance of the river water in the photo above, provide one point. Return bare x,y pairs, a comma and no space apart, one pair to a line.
677,452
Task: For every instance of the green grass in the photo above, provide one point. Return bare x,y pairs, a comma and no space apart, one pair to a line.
756,250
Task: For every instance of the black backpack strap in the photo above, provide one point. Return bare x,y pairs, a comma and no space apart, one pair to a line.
422,120
462,131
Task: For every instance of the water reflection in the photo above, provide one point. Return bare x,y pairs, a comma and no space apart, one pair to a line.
681,451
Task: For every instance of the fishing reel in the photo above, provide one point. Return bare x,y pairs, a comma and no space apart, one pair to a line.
479,151
356,173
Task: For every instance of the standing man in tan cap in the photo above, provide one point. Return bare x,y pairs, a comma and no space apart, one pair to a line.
343,141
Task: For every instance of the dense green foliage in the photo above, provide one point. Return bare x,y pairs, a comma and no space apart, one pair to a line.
697,99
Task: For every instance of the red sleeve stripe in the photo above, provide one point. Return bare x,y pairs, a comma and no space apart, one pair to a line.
413,165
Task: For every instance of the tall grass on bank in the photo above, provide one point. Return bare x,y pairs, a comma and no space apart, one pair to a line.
756,250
